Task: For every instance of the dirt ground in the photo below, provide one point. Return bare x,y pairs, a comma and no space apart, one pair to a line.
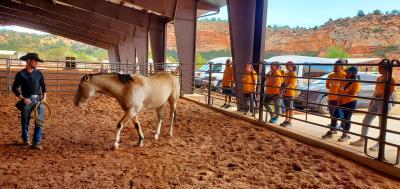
208,150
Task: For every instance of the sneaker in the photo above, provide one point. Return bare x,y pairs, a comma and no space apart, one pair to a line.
344,138
374,147
36,147
328,135
359,142
288,124
283,124
273,120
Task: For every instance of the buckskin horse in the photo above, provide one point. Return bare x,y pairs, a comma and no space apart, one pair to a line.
134,94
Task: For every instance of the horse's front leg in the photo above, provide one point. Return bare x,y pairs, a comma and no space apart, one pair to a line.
139,130
160,120
127,116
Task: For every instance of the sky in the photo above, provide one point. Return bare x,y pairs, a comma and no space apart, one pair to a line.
303,13
310,13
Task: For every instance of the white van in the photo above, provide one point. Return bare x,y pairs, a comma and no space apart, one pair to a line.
218,67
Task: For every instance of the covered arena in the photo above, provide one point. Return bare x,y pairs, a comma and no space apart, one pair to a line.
209,150
211,147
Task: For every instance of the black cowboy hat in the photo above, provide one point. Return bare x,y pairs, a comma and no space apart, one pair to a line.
31,56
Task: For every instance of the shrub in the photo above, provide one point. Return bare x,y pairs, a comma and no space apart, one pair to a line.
336,51
377,12
360,13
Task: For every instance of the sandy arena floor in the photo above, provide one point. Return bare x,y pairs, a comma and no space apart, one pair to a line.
208,150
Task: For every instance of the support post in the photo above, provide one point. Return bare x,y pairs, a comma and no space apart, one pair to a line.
141,43
113,57
247,31
131,54
185,32
8,76
157,42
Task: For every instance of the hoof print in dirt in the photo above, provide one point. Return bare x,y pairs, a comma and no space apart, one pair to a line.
296,167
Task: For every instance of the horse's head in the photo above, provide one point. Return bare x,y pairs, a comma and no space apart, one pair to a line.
86,89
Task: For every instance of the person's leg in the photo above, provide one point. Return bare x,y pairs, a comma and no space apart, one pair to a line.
252,104
375,108
225,101
37,135
347,114
266,102
278,106
368,118
247,101
286,105
25,119
290,109
330,108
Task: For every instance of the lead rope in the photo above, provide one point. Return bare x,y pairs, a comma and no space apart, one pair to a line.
38,121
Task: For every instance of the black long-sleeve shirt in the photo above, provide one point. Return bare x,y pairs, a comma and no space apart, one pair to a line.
28,84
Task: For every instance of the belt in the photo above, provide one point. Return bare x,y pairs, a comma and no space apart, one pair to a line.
35,97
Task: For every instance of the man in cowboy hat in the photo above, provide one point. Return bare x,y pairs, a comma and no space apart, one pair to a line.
30,88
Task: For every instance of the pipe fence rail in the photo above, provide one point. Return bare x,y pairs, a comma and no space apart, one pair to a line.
310,101
208,83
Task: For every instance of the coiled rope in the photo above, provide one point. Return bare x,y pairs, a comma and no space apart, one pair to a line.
39,121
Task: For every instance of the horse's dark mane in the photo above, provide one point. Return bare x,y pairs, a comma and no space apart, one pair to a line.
124,78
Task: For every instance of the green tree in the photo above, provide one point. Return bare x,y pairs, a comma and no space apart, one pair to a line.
377,12
360,13
336,51
200,60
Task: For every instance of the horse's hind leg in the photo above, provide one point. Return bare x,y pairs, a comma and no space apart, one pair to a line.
139,130
160,120
172,115
127,116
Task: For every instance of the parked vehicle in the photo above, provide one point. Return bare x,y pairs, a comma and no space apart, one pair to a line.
218,67
317,86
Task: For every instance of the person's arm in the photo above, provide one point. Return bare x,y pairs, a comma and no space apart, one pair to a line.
328,83
16,85
16,89
43,87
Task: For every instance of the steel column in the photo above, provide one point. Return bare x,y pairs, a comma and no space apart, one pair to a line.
141,43
157,42
185,32
247,29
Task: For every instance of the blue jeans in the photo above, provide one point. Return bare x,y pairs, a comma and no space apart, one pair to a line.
26,117
346,115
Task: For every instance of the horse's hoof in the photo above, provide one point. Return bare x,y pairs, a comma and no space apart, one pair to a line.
115,147
156,136
170,134
140,144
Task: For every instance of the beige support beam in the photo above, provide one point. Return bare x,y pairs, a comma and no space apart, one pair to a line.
131,53
59,18
82,15
128,15
55,32
164,7
51,23
185,32
141,43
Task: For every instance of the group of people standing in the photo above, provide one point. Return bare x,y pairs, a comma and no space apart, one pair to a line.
279,85
280,90
343,82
